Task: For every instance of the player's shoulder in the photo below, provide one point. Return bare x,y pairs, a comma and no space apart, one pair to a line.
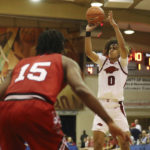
24,61
101,60
123,61
27,59
102,57
68,62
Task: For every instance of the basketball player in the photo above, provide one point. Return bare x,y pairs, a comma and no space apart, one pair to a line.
111,80
27,112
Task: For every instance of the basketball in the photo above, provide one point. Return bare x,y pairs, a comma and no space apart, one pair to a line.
95,15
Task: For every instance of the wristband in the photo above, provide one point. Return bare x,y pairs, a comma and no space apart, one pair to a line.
88,34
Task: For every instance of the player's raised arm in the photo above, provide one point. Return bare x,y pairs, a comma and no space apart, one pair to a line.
121,42
88,44
74,79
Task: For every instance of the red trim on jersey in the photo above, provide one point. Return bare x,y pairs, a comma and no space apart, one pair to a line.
122,68
103,65
122,108
123,72
125,83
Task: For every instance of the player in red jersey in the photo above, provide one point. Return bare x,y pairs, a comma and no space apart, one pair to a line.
27,111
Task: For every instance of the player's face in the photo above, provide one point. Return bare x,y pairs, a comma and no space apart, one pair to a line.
113,51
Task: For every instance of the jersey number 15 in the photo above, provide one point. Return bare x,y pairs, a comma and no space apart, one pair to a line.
35,68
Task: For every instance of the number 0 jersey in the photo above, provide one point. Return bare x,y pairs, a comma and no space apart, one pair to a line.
42,75
111,78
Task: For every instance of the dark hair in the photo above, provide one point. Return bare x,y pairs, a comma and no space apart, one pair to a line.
50,41
107,46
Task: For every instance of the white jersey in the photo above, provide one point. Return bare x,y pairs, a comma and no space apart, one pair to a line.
111,78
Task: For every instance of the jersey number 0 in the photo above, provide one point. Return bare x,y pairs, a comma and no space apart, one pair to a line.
111,80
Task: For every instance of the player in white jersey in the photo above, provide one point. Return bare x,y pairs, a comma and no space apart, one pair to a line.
111,80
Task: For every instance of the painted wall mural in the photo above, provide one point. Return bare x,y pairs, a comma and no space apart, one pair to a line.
19,43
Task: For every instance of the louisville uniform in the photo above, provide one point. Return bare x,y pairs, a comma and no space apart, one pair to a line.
111,81
28,106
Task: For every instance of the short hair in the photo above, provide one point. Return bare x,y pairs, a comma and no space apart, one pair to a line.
50,41
107,46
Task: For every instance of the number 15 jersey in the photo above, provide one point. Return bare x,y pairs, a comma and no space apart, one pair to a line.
42,75
112,78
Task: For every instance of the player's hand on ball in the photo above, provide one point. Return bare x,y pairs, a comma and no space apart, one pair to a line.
91,27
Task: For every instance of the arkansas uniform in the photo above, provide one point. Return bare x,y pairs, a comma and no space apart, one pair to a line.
111,81
29,105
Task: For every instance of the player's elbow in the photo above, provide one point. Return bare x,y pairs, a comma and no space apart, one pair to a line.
88,54
81,91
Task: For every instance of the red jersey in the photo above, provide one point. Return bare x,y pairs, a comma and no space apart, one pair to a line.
42,75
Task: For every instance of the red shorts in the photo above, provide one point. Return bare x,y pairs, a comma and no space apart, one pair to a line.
31,121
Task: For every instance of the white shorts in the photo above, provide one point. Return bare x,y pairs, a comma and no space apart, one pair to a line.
116,111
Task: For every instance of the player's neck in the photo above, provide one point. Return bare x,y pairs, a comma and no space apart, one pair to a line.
113,60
